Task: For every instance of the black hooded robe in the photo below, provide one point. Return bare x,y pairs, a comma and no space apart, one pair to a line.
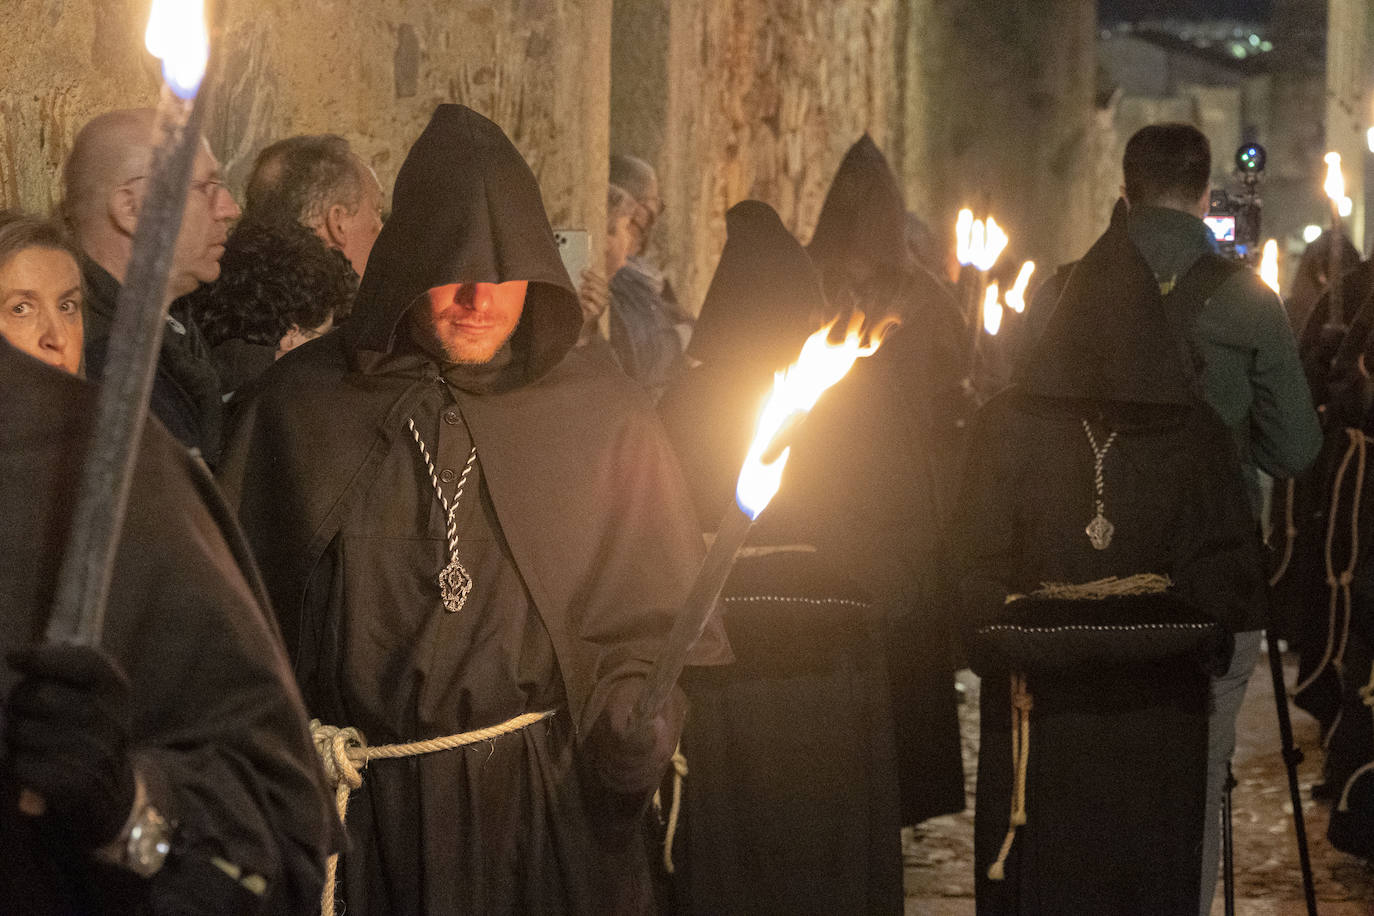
217,722
791,794
1117,760
915,444
574,526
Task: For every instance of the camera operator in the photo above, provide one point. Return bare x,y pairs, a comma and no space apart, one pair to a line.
1251,376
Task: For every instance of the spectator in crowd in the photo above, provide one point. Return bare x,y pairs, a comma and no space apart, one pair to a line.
279,286
649,330
104,182
318,181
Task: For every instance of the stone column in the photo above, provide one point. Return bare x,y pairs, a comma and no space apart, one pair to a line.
1348,115
998,112
747,98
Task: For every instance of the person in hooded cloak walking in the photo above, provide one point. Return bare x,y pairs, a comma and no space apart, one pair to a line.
1097,645
461,521
791,793
860,250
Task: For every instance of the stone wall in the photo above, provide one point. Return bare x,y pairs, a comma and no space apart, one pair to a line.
372,72
1000,115
974,100
763,98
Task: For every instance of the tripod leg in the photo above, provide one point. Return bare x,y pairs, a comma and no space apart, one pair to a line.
1228,849
1292,756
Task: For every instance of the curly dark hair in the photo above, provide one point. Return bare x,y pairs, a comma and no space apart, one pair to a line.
274,274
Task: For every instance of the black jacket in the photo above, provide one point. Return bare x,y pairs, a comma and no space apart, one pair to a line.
186,388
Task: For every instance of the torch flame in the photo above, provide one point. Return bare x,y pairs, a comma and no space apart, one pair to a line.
1269,265
796,390
1016,296
992,311
177,35
1335,181
963,236
977,242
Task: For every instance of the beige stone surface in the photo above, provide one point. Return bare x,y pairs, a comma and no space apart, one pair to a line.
372,72
761,99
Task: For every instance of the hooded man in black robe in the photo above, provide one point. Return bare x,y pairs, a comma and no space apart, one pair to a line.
1106,427
791,792
183,726
562,506
860,250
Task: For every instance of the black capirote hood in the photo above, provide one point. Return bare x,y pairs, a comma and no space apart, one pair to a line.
765,298
1112,336
466,209
863,217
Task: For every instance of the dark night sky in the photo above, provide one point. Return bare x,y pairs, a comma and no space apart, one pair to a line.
1113,11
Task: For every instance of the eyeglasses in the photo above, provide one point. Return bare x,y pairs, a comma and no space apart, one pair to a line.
210,187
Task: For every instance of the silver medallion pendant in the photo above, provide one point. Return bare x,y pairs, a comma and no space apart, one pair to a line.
1099,532
454,585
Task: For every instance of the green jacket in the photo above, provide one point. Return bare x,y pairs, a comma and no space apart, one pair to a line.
1253,377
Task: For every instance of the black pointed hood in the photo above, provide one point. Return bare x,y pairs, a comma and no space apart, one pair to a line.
765,297
466,209
863,217
1111,338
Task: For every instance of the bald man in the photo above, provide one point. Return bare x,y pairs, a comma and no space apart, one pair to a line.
318,181
105,180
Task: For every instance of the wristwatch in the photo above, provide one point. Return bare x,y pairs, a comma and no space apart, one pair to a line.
149,841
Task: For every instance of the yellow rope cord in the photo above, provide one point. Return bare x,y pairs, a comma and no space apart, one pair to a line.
1020,755
1110,587
1290,531
345,753
1366,697
674,809
1339,584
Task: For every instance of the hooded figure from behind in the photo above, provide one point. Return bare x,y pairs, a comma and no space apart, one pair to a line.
791,802
1104,425
912,463
448,425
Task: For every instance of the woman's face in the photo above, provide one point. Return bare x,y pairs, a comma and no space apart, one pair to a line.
40,306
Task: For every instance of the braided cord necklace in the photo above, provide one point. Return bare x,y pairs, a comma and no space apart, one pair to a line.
454,582
1099,530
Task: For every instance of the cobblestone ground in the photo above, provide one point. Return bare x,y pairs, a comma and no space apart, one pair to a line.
939,853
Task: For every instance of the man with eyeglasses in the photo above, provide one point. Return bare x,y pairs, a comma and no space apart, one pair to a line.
648,329
105,179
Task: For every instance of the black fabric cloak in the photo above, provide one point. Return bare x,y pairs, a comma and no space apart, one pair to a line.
791,794
576,529
908,403
218,726
186,388
1117,754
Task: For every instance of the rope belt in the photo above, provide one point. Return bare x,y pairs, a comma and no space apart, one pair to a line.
344,752
1339,583
1021,702
679,764
1020,753
1367,698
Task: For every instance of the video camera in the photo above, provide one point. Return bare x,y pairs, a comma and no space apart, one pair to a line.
1235,218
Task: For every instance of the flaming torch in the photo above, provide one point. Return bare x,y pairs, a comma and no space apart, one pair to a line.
992,311
796,390
978,245
1269,266
1335,192
177,33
